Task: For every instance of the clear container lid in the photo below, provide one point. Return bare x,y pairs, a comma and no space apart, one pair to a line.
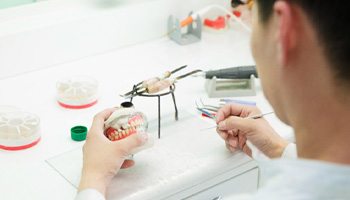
8,109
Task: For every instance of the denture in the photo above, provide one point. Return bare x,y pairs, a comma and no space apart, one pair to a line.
124,122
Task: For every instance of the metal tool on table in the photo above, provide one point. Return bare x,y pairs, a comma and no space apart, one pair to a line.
155,85
206,113
207,110
158,87
229,82
209,107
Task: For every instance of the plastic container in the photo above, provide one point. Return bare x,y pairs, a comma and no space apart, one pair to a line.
18,130
77,92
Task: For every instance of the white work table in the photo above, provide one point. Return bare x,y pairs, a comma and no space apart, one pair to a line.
27,175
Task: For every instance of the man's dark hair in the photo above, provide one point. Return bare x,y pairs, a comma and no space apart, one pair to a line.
331,22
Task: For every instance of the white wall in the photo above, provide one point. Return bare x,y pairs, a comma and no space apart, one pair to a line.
52,32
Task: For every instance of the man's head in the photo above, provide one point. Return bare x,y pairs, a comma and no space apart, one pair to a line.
302,51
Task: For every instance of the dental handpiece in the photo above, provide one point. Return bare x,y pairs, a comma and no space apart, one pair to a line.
242,72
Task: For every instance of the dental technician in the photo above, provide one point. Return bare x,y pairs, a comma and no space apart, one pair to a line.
302,53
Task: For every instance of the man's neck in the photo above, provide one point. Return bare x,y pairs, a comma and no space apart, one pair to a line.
325,135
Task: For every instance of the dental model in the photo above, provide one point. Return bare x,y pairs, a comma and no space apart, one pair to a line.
126,121
123,123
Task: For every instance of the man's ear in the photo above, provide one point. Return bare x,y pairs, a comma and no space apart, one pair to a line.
286,32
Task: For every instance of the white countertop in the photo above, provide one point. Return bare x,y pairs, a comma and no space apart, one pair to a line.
26,175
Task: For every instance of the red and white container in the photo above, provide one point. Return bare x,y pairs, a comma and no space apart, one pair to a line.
18,130
77,92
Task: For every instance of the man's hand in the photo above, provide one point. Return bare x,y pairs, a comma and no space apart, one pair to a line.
102,157
235,130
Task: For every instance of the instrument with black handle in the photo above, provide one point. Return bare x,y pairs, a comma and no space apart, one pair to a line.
242,72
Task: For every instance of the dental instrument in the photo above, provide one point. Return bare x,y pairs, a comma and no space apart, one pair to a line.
208,110
230,82
250,117
241,72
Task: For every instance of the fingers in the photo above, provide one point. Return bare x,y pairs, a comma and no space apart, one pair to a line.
232,143
247,150
230,148
235,110
223,134
131,142
99,119
241,141
236,123
228,110
238,142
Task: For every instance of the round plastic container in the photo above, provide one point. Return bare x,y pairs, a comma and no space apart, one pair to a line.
77,92
18,130
8,109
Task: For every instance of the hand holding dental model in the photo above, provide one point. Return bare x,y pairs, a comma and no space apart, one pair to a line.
102,157
235,127
126,121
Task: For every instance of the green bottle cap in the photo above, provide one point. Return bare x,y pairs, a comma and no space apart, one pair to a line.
78,133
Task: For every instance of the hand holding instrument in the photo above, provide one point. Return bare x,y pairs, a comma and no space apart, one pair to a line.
250,117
